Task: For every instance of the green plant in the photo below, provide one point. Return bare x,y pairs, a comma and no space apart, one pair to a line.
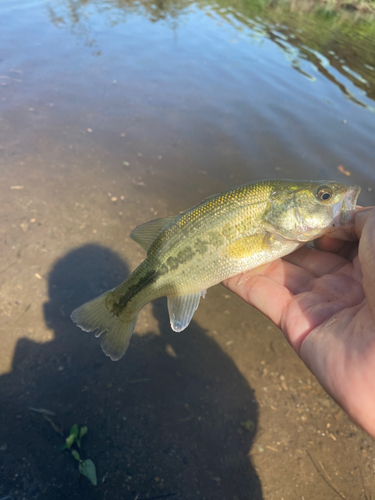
73,443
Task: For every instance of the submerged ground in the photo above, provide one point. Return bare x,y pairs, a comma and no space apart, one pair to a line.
114,113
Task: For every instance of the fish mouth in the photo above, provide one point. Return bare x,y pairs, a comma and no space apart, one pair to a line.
344,210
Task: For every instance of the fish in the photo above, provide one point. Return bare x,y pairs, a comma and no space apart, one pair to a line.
224,235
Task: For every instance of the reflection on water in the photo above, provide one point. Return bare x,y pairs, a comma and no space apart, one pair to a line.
340,47
240,89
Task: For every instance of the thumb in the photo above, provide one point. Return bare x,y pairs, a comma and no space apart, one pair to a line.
365,228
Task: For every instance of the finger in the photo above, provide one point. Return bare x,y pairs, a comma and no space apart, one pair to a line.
353,231
328,244
361,217
263,293
294,278
337,241
367,261
346,249
316,261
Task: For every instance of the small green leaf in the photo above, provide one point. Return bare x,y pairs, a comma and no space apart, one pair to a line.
83,430
248,425
87,468
64,447
69,441
74,431
76,455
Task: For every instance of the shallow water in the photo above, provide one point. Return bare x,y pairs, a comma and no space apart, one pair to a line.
237,91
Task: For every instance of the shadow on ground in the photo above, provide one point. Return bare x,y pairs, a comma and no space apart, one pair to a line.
164,422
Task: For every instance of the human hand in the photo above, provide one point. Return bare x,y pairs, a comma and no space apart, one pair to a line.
324,302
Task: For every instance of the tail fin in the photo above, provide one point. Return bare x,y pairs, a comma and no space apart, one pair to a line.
94,315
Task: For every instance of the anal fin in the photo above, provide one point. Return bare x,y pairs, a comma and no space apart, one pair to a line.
182,308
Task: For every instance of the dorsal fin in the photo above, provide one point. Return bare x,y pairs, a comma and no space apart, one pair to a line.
146,233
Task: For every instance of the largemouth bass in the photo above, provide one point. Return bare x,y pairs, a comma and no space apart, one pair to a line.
224,235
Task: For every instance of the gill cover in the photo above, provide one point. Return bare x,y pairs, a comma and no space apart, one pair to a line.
281,215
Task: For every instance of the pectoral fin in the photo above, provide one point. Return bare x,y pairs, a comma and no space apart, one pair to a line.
247,246
181,309
146,233
261,248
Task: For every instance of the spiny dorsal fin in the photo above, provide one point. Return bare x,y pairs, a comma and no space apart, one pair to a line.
181,309
146,233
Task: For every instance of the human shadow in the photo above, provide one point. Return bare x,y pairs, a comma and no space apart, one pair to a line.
165,421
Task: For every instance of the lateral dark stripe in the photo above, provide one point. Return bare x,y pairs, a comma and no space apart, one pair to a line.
147,279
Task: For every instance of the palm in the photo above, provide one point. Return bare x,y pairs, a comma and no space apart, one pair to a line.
317,298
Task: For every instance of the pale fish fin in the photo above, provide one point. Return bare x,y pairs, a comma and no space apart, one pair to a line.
244,247
261,250
146,233
95,315
181,309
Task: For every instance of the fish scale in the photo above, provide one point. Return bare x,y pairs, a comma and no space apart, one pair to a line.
222,236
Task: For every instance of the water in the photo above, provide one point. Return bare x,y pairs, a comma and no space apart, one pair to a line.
235,91
113,113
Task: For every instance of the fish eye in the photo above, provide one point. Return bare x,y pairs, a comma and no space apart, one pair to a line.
324,193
